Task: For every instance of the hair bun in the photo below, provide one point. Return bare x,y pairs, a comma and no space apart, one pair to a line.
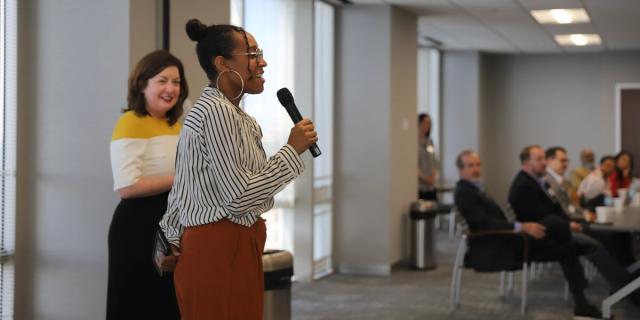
196,30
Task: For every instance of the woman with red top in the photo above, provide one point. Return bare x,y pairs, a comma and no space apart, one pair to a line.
623,174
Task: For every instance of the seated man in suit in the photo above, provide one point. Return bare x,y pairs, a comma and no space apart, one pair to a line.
545,242
606,243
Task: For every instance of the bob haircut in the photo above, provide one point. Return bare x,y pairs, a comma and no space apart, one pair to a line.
150,65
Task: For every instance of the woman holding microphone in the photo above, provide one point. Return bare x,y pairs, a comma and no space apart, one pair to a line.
224,182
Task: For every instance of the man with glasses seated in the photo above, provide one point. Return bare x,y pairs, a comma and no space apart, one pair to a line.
547,240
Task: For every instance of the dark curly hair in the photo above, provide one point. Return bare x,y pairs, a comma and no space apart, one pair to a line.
214,40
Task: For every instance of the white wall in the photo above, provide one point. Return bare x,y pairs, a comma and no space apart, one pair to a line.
556,99
73,68
207,11
374,169
362,139
460,109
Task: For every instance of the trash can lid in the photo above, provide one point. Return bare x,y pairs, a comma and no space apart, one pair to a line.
424,205
422,209
276,259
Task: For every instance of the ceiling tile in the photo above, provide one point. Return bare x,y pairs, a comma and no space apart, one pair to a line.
491,5
617,22
435,31
469,31
570,28
515,26
367,2
584,49
426,7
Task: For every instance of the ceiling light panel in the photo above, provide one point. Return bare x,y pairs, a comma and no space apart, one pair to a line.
578,39
560,16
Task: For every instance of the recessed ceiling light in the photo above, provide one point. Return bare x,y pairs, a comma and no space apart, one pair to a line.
560,16
578,39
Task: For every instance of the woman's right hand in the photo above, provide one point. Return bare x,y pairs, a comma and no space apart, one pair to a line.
302,136
168,263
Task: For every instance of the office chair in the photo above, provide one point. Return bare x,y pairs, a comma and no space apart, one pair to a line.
459,262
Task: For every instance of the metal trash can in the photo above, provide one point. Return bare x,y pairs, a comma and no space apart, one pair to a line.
277,266
422,234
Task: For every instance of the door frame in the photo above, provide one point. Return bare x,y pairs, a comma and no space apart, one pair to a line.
618,110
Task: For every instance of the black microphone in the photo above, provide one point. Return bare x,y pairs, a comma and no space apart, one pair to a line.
286,100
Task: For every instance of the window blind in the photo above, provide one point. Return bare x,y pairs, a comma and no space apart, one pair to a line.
8,65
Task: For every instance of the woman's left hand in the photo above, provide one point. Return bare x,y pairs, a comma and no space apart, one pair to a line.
168,263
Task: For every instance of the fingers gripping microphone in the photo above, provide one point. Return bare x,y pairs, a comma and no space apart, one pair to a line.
286,100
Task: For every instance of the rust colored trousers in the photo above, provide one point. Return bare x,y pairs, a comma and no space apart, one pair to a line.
219,272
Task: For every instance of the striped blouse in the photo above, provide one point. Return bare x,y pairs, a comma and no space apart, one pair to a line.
142,146
222,171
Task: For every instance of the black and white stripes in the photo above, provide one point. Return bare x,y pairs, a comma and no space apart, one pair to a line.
222,170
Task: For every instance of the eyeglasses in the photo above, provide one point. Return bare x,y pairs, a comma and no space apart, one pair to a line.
258,54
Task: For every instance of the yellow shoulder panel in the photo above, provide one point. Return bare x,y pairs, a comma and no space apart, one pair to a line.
133,126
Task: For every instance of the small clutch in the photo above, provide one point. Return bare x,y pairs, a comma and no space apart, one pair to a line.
161,249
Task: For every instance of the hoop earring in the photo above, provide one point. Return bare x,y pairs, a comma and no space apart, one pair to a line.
239,76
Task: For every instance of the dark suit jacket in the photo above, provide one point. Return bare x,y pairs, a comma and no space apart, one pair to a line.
487,253
532,204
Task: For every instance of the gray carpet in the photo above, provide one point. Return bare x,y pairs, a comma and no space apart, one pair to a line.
425,295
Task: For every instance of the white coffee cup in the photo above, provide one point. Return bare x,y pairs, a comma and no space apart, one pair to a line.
636,200
618,203
622,192
602,214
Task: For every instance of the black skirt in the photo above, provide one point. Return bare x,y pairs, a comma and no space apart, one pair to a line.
135,289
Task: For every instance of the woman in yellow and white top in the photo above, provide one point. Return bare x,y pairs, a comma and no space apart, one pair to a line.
143,153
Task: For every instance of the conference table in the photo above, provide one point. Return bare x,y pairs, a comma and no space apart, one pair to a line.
622,220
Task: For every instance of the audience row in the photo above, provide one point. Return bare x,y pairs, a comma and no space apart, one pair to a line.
553,216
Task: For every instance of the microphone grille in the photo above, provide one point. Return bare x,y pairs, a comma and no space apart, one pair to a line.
284,96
